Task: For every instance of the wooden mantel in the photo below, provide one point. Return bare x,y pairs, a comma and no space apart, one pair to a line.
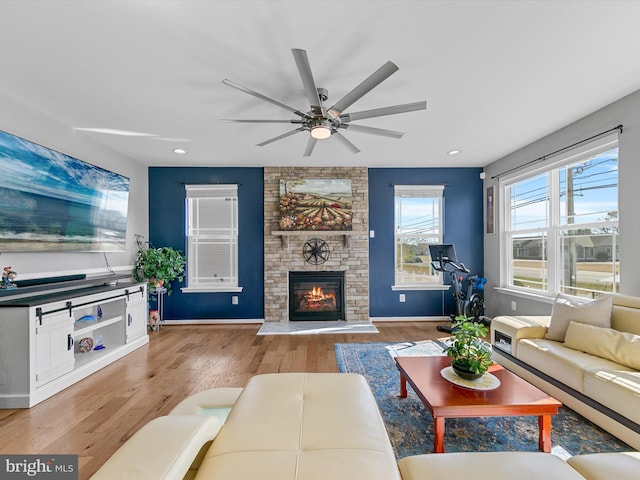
285,234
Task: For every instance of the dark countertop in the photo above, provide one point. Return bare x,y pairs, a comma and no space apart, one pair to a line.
66,292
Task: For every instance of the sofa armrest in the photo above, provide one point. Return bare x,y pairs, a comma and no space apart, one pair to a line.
506,331
605,466
164,448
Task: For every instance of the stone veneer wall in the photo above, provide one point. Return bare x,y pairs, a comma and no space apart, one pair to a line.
354,259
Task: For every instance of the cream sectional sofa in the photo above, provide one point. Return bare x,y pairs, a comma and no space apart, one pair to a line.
589,366
315,426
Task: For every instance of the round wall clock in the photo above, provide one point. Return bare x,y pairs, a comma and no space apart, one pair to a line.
316,251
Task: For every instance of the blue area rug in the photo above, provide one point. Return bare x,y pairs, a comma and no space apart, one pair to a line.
410,426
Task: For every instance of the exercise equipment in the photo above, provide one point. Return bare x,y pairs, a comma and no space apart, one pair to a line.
469,302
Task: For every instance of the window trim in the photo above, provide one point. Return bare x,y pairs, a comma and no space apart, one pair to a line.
203,287
550,164
417,191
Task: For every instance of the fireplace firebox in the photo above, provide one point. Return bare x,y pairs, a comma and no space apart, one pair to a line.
316,296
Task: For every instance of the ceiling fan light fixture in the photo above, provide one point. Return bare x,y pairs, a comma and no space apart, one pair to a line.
321,131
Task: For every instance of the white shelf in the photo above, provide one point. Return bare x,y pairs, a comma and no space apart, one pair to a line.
88,357
93,325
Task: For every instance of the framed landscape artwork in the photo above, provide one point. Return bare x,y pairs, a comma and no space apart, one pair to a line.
315,204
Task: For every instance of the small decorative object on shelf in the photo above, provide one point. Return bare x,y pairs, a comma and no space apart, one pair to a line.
85,345
99,311
99,345
471,355
154,319
8,275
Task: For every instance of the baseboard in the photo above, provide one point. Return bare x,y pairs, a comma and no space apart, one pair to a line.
409,319
215,321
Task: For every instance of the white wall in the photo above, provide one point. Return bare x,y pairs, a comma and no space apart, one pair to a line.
27,122
625,111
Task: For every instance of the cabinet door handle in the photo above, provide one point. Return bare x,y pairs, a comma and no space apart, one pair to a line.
129,319
69,342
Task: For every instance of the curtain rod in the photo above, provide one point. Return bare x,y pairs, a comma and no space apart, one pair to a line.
544,157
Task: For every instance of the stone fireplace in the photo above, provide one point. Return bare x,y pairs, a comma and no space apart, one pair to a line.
349,251
316,296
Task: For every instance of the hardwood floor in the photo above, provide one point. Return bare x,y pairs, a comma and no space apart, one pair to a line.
97,415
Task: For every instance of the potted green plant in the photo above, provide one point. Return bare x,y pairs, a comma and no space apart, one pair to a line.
471,355
159,265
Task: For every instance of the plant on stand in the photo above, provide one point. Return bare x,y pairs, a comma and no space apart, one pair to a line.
159,265
470,353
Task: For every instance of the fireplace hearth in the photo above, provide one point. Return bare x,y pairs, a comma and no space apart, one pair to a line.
316,296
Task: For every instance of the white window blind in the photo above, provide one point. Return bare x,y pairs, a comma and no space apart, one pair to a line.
212,236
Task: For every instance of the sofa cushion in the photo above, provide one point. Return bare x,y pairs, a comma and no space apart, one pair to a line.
625,316
486,466
620,347
562,363
303,426
616,388
565,308
607,466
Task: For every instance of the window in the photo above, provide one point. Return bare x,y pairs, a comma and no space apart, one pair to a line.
418,223
561,225
212,237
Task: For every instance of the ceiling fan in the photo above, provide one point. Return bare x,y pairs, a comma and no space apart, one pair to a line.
322,122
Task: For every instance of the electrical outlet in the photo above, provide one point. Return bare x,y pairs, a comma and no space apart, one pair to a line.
234,300
372,234
402,297
513,305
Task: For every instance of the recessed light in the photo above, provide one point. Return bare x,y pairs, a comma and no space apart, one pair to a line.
453,152
179,151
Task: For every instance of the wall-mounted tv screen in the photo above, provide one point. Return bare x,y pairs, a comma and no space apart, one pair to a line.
50,201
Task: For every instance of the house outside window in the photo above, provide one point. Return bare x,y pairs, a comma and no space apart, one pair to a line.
418,224
561,224
212,238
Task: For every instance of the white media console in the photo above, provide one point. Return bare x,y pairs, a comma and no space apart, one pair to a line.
48,339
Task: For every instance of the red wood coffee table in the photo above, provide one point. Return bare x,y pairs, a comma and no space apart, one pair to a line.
443,399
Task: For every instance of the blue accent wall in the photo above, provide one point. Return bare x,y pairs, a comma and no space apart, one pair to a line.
167,228
463,227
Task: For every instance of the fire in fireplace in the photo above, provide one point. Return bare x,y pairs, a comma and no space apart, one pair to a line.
316,296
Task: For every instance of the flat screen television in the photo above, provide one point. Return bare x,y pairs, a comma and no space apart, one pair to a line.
50,201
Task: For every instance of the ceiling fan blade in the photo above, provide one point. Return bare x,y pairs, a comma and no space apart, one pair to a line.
345,142
368,84
280,137
309,148
310,89
380,112
235,120
265,98
372,130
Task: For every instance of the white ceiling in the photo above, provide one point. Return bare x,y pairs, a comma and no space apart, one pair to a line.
496,75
